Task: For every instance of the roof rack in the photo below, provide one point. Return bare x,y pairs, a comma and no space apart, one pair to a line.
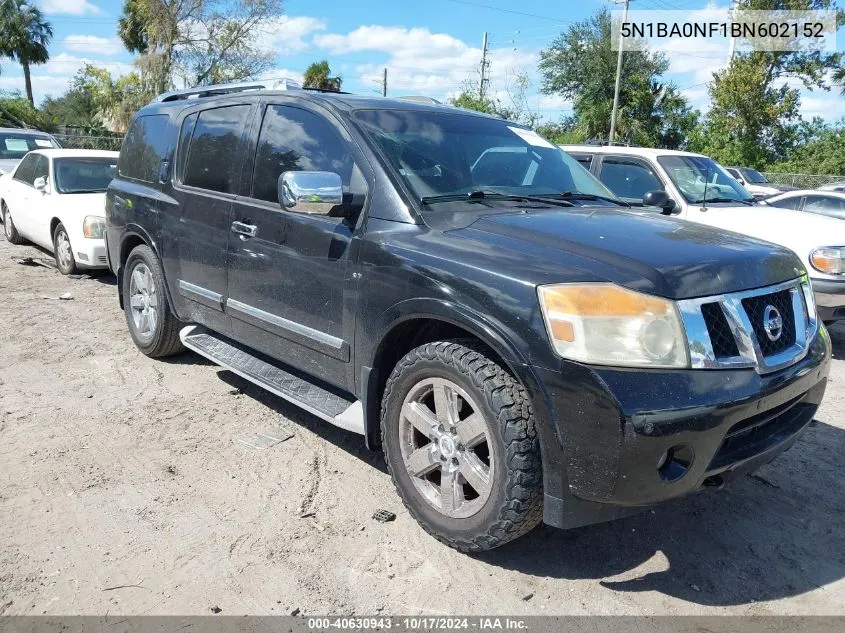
421,99
605,142
198,92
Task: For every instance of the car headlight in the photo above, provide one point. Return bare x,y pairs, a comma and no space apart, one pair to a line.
829,260
606,324
94,227
809,297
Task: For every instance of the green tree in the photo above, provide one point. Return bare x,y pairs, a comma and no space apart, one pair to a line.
17,111
317,75
199,41
516,108
580,65
754,118
751,122
25,36
821,150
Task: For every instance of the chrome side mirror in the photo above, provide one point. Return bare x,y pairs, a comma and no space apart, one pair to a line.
314,192
40,183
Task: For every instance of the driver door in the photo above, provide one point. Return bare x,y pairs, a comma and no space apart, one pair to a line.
289,278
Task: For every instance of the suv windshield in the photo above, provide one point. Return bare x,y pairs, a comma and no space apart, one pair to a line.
753,176
15,145
454,154
84,175
696,175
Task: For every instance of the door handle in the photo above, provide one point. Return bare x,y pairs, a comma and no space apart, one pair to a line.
247,230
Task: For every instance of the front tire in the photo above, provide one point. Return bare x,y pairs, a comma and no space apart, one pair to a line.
461,446
63,251
9,230
152,324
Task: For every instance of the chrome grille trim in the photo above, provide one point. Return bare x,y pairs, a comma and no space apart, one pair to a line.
750,354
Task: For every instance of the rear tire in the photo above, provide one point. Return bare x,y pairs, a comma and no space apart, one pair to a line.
9,230
62,251
461,446
152,324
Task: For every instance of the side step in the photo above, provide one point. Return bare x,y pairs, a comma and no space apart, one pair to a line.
343,412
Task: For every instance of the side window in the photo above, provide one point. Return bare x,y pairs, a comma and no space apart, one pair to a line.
792,202
42,168
585,160
184,142
292,139
144,148
26,168
822,203
214,155
628,179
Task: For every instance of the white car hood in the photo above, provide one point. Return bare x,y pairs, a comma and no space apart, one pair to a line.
800,232
83,204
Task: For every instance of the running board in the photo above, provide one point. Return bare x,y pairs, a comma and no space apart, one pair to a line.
331,407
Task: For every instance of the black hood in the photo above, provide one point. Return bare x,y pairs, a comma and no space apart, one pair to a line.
643,251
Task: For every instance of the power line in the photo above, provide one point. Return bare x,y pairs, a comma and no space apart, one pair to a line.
492,8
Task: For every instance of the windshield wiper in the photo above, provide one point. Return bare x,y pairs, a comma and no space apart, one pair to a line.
569,195
705,200
483,196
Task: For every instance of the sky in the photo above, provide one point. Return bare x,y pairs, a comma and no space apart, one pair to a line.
430,48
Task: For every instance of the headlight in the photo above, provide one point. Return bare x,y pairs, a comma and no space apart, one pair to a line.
809,298
829,260
609,325
94,227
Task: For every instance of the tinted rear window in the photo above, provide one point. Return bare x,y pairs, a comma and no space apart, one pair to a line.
214,153
144,148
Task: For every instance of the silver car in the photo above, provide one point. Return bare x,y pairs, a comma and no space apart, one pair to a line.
15,143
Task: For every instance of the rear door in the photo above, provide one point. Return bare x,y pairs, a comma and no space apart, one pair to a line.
209,165
19,192
288,283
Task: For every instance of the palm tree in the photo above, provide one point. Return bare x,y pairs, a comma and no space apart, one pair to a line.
25,35
317,76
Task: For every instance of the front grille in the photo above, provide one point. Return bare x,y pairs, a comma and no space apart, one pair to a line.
729,331
755,308
102,259
724,343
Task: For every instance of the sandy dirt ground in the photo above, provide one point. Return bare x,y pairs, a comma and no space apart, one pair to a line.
124,490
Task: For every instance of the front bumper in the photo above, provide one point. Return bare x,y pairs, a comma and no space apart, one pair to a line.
90,253
830,299
614,427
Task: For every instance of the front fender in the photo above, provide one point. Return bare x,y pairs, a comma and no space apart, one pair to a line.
483,327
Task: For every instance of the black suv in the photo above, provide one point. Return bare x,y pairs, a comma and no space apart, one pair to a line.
465,296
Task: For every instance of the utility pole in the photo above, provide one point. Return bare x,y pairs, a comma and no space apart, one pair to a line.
618,78
484,62
731,41
384,84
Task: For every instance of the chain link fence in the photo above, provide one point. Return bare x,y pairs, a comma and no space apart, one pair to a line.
76,141
802,181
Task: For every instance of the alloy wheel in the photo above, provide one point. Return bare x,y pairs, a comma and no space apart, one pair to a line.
445,444
143,301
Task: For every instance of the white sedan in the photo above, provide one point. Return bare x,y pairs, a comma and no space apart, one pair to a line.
831,203
56,198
